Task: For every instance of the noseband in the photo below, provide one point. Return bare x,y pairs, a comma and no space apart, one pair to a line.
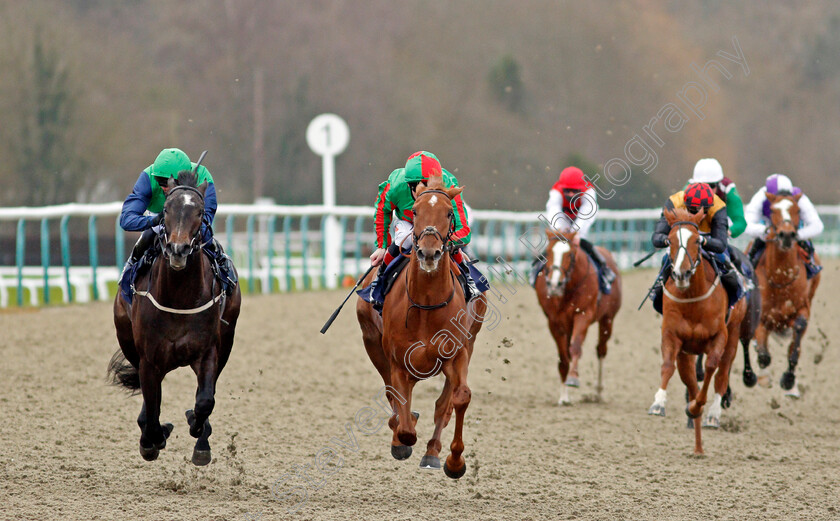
431,230
164,237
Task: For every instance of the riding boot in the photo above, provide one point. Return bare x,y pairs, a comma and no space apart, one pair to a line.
756,250
377,299
811,267
656,291
470,289
731,282
140,247
225,263
605,274
536,267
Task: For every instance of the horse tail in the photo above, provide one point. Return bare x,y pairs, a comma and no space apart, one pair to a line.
122,373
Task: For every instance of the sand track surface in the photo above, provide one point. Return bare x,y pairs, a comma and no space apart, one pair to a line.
289,398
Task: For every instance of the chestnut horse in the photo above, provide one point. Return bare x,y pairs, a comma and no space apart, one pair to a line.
175,320
569,296
426,328
786,292
694,322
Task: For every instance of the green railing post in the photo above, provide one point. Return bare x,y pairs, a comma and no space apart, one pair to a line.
94,254
64,237
272,219
360,221
45,257
120,245
343,224
304,241
287,249
229,234
323,227
20,250
249,226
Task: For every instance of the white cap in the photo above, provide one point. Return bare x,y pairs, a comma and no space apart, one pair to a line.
707,171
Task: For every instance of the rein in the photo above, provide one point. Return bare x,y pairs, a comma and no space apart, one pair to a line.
428,307
694,263
693,299
192,311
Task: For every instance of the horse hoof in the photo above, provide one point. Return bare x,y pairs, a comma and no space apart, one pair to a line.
572,381
710,422
749,378
787,381
563,402
454,475
167,430
149,454
416,415
690,423
656,410
726,399
400,452
201,457
764,381
430,462
763,360
688,412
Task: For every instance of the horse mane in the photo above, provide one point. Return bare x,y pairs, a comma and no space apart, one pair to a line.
682,214
188,178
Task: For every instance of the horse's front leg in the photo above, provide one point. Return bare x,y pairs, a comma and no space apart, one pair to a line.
670,347
153,435
788,382
763,355
405,421
206,371
688,374
456,372
714,355
443,412
579,327
562,341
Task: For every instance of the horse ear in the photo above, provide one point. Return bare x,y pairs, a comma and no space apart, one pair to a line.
421,186
797,197
454,192
670,216
773,198
172,183
203,187
699,216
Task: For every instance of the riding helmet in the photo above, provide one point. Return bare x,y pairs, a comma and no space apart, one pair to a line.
420,166
571,178
169,162
699,195
707,171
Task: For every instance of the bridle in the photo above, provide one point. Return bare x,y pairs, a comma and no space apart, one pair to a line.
195,242
566,273
694,262
447,248
431,230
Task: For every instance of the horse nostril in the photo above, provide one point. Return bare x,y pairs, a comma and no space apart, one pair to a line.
438,254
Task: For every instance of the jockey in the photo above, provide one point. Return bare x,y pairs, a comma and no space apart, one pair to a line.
714,233
149,194
396,194
710,172
572,205
758,218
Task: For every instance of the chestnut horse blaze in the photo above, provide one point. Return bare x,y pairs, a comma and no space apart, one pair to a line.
426,328
694,322
568,293
786,292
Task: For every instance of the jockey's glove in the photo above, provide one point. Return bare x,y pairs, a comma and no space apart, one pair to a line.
157,219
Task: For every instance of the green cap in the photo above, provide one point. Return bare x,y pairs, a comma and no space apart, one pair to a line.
169,162
420,166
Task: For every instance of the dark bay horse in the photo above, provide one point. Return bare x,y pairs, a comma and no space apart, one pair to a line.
426,328
568,293
175,320
786,291
694,322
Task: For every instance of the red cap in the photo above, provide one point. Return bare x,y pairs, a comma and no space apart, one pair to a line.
571,178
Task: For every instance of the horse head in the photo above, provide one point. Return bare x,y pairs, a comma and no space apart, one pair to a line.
684,239
183,212
560,261
784,219
433,221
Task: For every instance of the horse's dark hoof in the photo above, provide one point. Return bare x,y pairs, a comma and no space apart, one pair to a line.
687,413
787,381
656,410
201,457
763,360
149,454
400,452
690,424
430,462
573,381
416,415
454,475
749,378
726,399
167,430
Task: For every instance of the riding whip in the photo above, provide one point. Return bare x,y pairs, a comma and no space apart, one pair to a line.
643,259
337,311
